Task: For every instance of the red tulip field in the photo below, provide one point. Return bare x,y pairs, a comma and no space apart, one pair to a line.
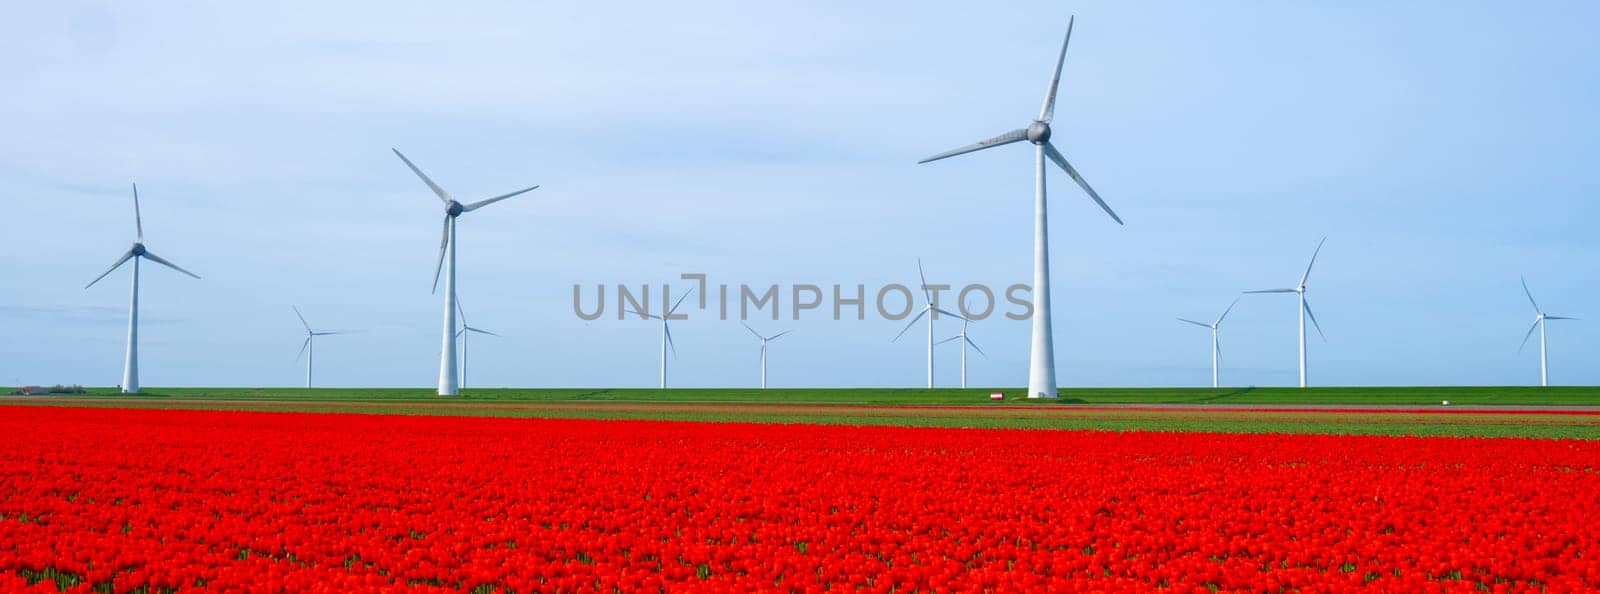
122,500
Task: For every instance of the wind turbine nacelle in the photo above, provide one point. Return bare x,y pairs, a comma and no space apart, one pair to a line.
138,249
1038,133
453,208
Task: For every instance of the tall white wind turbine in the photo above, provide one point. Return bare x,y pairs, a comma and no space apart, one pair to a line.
1216,348
448,385
130,365
308,349
466,328
1305,309
965,341
1041,361
764,340
1539,318
666,332
927,308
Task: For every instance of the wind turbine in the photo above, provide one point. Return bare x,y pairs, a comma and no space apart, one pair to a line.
666,333
130,365
1539,319
764,340
965,342
309,347
1305,309
462,334
1042,365
448,385
1216,349
927,306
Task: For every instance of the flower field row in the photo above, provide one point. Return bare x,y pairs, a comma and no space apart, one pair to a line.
154,501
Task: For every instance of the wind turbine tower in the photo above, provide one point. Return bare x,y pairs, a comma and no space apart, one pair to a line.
1539,319
927,308
130,364
1041,360
466,328
965,341
448,382
1305,309
309,347
666,333
764,340
1216,348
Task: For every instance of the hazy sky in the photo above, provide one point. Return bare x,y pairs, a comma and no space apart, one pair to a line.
1444,148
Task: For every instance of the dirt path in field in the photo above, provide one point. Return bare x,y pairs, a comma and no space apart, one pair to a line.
1571,422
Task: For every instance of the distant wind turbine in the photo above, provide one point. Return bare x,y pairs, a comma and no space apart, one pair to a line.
1041,366
462,334
1216,348
927,306
448,385
666,333
1539,319
1305,309
309,347
764,340
965,341
130,365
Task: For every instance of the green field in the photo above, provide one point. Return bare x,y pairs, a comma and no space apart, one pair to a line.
1572,413
1406,396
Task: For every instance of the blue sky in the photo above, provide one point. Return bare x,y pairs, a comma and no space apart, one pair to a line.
1443,147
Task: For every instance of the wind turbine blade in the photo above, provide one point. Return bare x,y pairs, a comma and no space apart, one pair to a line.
752,330
138,221
956,337
1525,337
1225,312
443,195
775,336
482,203
302,318
1219,351
1055,155
680,302
1530,295
1194,322
927,297
974,346
328,333
1558,318
913,322
1307,275
303,346
159,260
444,240
471,329
125,257
665,327
1048,110
953,315
1272,291
641,314
461,312
1017,135
1314,323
